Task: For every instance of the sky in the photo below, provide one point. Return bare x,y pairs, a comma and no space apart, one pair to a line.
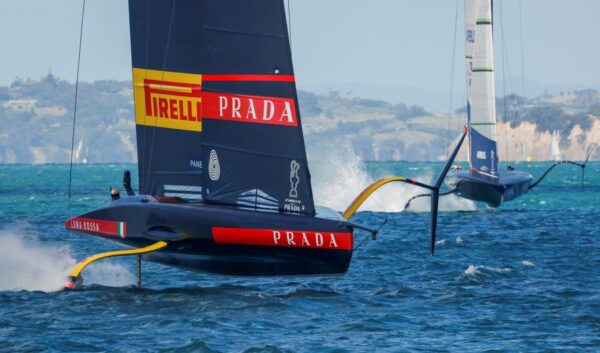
382,44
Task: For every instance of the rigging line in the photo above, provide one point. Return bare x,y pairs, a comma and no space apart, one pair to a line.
504,69
75,104
290,22
452,73
144,192
164,64
522,51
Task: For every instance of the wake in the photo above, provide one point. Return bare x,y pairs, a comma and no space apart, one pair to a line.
30,265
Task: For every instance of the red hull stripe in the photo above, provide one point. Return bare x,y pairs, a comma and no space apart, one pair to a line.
98,226
272,78
283,238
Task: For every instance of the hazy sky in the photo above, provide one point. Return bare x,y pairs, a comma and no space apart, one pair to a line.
380,42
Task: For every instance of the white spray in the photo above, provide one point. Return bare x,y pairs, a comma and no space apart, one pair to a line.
339,175
30,265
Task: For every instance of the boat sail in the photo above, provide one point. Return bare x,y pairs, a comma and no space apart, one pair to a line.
219,80
481,105
554,147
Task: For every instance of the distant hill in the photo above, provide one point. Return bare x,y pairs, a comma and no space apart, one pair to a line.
37,118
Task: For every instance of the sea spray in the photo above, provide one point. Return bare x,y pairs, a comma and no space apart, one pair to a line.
27,264
339,174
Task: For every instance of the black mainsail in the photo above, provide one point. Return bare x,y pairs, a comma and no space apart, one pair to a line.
217,113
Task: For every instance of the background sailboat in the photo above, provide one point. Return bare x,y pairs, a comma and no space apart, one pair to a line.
554,147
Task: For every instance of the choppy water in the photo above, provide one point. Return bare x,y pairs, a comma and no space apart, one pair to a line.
522,278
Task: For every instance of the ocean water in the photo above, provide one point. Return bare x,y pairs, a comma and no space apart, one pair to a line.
521,278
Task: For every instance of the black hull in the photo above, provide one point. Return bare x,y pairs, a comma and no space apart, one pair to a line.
493,192
225,240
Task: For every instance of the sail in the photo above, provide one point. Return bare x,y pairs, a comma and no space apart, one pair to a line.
470,8
217,112
482,106
555,149
470,17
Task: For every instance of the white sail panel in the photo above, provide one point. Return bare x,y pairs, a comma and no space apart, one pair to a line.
483,105
470,16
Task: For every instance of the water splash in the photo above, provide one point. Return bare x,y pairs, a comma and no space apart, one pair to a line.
339,175
27,264
527,263
485,271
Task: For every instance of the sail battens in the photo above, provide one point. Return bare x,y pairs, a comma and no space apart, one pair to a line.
242,33
482,69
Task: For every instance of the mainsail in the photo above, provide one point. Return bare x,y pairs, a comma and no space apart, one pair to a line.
481,96
217,113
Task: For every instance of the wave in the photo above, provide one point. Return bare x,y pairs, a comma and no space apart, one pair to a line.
479,272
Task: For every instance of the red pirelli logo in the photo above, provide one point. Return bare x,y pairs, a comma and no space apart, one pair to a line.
283,238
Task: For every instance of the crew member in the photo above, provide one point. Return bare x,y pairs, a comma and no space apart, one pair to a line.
114,194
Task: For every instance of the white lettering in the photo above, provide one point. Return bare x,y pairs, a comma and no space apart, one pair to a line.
222,105
235,107
332,241
319,239
268,110
251,109
287,111
305,240
290,238
276,237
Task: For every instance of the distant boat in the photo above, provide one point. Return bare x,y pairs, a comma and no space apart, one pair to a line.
79,156
554,147
223,174
483,181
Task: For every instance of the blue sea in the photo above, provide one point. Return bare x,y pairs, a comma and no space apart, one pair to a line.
521,278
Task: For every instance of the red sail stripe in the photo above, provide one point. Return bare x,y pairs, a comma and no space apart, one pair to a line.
273,78
283,238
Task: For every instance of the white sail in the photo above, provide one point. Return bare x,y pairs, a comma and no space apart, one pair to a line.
483,105
78,151
555,149
470,17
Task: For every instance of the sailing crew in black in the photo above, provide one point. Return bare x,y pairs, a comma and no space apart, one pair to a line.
114,194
